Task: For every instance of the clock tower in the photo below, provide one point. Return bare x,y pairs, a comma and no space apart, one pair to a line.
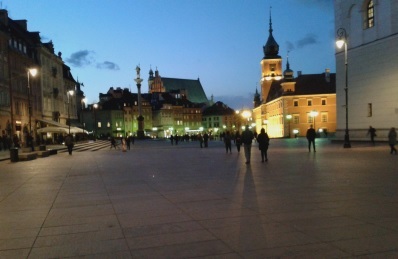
271,64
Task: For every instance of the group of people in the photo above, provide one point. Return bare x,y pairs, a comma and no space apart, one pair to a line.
263,141
246,139
125,142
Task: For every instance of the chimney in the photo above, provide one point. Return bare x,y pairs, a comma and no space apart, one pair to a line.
299,73
4,17
22,23
327,75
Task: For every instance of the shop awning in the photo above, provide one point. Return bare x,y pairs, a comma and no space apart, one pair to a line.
61,130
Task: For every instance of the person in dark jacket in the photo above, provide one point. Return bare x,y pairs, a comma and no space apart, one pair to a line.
311,135
247,138
392,140
69,143
263,143
238,141
372,133
227,141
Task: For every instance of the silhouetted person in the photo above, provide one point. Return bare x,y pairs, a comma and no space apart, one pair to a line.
206,139
69,143
372,133
238,141
311,135
263,143
247,138
200,138
113,142
227,140
128,141
392,140
15,140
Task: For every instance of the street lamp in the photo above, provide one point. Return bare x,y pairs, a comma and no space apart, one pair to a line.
247,114
82,112
313,114
265,122
95,106
342,40
289,117
69,94
140,118
32,72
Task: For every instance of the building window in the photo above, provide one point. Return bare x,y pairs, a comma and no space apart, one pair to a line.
310,119
323,101
324,117
296,119
295,103
309,102
370,15
369,110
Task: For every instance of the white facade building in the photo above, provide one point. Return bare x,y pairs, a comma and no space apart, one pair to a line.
372,41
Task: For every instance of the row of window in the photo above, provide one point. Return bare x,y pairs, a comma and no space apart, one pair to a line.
370,15
17,45
309,102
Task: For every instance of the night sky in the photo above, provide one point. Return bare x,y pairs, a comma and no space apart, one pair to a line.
219,41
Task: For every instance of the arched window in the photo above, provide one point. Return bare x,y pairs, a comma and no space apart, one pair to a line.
370,15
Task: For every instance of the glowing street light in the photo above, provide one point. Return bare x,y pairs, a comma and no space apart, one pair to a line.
289,117
69,94
313,114
32,72
342,41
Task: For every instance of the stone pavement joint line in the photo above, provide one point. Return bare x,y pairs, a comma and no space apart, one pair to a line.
162,201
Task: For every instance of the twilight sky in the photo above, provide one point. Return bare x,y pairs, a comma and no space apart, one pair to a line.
219,41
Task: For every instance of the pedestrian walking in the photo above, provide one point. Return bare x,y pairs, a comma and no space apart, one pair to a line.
247,138
15,140
372,134
227,141
69,143
172,139
263,143
200,138
311,135
238,140
124,144
392,140
206,139
30,142
113,143
128,141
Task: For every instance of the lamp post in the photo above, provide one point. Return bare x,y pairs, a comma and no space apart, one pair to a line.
32,72
95,106
81,113
140,118
69,94
342,40
289,117
313,114
265,122
246,114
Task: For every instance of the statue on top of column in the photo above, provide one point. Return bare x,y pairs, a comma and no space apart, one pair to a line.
138,69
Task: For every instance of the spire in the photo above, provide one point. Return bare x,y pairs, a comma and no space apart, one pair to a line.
288,73
271,48
270,21
256,100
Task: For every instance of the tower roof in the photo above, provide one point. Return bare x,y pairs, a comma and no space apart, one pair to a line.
271,48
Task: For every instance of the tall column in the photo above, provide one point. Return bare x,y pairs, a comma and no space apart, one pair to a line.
140,118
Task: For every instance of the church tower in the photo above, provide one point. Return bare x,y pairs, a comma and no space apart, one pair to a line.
155,83
271,64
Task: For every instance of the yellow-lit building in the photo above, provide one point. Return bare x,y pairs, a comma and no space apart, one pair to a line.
288,105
